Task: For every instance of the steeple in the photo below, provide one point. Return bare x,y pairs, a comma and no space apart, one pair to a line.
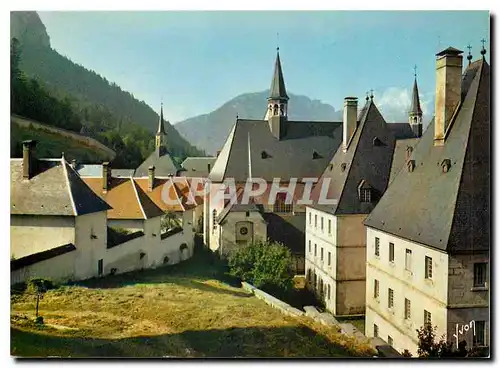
160,134
277,102
415,113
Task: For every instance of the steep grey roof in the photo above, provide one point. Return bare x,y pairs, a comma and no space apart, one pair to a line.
164,164
450,210
278,90
197,166
367,161
401,130
415,100
293,156
55,189
399,156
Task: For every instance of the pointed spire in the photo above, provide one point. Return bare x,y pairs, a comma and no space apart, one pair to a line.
278,91
415,100
161,128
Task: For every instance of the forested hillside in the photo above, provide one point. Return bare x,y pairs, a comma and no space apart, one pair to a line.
50,88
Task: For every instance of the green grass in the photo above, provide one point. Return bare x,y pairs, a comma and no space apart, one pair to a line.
182,310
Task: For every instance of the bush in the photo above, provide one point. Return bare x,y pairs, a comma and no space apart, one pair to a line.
266,265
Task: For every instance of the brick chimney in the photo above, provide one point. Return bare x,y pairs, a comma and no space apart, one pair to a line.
29,160
151,178
448,89
350,120
106,176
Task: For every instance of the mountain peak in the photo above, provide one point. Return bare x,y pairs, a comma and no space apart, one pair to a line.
28,28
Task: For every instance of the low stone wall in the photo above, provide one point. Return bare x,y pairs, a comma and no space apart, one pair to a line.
272,301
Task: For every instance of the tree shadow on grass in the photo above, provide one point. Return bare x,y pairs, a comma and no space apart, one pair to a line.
294,341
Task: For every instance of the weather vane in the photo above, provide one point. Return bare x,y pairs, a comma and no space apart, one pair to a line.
277,41
371,94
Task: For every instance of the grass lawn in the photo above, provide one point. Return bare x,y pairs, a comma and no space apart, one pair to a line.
182,311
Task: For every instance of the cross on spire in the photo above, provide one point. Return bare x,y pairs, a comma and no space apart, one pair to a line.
469,47
415,71
371,94
469,57
483,42
277,41
483,50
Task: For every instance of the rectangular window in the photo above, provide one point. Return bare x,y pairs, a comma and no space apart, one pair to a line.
375,330
407,309
408,260
375,289
321,253
329,227
309,246
315,249
321,223
100,267
427,318
390,298
329,258
310,218
389,340
479,338
428,267
479,274
315,221
391,252
377,246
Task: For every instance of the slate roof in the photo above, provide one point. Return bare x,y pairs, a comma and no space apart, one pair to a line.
55,190
278,90
399,157
401,130
128,201
289,157
197,166
367,160
415,100
17,264
449,211
164,164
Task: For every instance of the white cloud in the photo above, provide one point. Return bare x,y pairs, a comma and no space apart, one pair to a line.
395,102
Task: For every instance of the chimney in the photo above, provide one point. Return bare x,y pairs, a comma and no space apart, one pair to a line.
151,178
29,158
106,176
448,89
350,119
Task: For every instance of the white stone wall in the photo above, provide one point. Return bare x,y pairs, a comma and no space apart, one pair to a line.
228,229
430,295
322,238
213,231
57,269
90,242
34,234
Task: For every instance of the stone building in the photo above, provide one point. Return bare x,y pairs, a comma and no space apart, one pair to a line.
58,225
358,176
428,239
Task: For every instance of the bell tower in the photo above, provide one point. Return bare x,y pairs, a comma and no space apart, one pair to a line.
277,102
415,113
161,136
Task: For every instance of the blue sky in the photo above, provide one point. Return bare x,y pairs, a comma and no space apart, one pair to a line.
197,61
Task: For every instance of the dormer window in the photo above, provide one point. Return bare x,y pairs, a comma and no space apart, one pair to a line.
264,155
409,151
411,165
377,142
343,167
446,165
364,192
316,155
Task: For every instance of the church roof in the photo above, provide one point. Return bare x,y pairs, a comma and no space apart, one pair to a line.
304,151
366,163
197,166
446,209
55,189
278,90
164,164
415,100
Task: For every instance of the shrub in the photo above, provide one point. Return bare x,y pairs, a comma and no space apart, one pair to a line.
266,265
